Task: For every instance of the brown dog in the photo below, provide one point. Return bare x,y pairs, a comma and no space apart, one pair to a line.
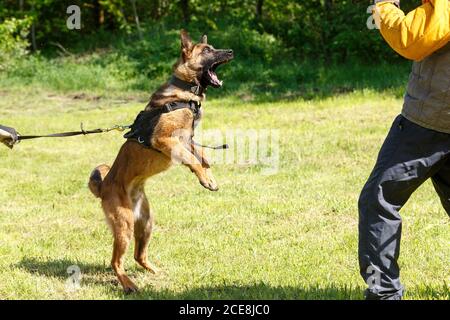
121,187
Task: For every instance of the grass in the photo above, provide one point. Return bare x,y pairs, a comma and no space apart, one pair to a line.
291,235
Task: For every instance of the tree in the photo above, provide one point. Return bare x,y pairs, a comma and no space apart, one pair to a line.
185,11
136,18
259,9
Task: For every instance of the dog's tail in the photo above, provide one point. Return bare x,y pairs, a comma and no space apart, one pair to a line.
96,179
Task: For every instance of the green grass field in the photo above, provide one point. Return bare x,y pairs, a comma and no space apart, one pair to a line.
291,235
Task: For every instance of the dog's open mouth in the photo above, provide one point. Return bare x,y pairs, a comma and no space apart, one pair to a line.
211,76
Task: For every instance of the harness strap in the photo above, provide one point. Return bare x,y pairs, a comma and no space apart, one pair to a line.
194,106
142,128
196,89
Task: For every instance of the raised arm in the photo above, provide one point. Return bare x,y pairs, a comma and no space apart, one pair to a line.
417,34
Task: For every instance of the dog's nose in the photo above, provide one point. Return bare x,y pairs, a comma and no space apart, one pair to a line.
230,51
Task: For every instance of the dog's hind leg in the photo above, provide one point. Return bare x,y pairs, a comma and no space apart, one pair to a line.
120,217
143,226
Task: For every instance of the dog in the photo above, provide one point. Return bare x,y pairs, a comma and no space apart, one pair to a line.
121,186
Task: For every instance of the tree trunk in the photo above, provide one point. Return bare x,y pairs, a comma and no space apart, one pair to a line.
328,7
155,10
136,18
259,9
33,31
327,30
185,11
98,14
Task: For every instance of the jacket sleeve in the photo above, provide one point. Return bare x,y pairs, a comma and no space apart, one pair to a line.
417,34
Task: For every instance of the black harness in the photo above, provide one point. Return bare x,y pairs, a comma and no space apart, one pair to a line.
146,121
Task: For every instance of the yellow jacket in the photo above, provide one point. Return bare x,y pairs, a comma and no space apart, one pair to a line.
417,34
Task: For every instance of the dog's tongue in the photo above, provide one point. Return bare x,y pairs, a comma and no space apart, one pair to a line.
214,79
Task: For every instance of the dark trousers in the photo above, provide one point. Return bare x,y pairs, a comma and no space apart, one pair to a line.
409,156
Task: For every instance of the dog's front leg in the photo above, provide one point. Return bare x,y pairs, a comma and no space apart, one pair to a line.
200,154
173,148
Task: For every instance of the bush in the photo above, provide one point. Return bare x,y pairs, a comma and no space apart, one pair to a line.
13,41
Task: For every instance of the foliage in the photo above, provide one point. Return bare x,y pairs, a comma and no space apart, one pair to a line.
13,41
329,30
263,69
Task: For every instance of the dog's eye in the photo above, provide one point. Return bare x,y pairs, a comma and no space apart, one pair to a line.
206,50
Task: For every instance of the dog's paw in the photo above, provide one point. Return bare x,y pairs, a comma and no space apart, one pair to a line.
130,289
152,269
128,285
209,182
210,185
148,266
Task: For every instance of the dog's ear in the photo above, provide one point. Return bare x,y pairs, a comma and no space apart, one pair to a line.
204,39
186,43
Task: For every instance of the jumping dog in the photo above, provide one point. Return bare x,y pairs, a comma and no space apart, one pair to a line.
174,111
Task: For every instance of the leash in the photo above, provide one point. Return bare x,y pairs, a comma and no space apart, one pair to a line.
75,133
119,128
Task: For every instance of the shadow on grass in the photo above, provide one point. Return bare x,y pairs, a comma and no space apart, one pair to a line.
58,269
102,275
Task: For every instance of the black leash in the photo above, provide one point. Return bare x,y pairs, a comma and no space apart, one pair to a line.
101,130
74,133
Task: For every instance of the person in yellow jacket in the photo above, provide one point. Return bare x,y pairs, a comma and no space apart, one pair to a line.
417,147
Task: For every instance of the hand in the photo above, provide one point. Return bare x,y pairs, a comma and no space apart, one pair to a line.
8,136
396,2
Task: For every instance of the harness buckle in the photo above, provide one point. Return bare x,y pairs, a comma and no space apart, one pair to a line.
169,106
195,90
120,128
